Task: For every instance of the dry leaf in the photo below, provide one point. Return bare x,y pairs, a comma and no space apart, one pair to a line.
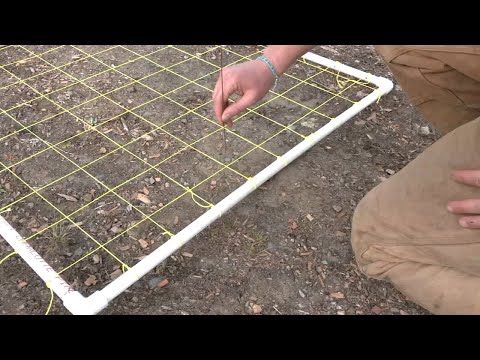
22,284
157,179
330,48
147,137
293,224
154,156
96,259
115,274
146,191
143,243
163,283
372,117
337,295
68,197
175,221
124,248
92,280
309,217
41,228
143,198
186,254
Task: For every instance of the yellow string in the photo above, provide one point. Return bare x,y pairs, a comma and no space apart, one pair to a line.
224,166
253,183
6,257
118,145
27,58
57,90
51,299
209,205
109,68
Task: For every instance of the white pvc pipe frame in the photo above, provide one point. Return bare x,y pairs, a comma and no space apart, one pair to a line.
77,304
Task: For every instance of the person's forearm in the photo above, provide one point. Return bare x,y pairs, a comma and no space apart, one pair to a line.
283,56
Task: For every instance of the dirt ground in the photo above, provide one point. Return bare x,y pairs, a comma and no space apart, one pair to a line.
285,249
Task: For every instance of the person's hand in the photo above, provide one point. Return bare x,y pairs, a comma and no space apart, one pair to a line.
468,207
251,80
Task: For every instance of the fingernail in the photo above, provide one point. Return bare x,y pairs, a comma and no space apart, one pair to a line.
463,223
450,208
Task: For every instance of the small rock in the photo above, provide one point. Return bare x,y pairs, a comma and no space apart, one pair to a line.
301,293
186,254
359,122
87,198
424,131
309,217
153,283
135,299
163,283
184,121
143,243
96,259
115,229
132,89
395,310
22,284
102,150
257,309
390,171
337,295
115,274
227,160
403,312
337,208
184,312
78,252
341,312
340,233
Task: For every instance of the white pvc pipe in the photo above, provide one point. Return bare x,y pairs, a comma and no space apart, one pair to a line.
77,304
36,262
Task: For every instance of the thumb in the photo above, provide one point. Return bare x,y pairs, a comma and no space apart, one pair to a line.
237,107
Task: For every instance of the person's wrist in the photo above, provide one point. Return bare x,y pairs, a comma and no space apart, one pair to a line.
270,68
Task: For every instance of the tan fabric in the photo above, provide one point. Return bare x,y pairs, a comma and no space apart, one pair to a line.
442,81
401,230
